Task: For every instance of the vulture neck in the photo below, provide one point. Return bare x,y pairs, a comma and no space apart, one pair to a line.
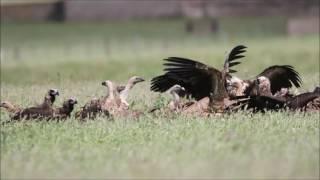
112,92
265,90
10,108
124,94
48,101
176,101
67,108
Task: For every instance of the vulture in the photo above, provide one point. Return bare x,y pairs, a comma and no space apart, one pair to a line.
264,99
125,92
199,79
280,77
98,106
49,98
200,107
91,110
44,110
66,109
313,105
175,104
114,104
10,108
112,101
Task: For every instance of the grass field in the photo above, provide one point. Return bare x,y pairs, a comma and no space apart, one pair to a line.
76,58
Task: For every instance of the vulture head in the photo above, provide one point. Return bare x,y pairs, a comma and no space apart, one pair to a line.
175,90
8,106
264,85
135,79
236,86
51,95
107,83
69,103
124,90
111,88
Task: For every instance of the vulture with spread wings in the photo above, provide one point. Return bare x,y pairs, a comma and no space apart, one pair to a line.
280,77
198,79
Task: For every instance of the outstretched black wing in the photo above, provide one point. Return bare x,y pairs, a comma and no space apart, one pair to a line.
233,56
281,77
197,78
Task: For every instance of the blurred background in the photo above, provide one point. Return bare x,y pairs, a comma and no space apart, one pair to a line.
45,41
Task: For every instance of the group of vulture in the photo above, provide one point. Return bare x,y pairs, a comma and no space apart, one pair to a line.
196,89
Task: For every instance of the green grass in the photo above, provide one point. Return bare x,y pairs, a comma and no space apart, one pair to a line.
76,58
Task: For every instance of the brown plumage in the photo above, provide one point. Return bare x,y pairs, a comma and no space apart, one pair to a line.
199,80
114,104
263,102
49,98
174,105
199,108
91,110
284,76
13,110
111,102
313,106
42,111
66,109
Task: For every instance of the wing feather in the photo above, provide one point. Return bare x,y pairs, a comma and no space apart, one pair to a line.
235,54
194,76
284,76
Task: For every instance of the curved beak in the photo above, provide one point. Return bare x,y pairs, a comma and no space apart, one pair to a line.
139,79
73,101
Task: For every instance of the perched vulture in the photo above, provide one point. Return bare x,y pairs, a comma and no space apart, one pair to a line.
279,76
99,106
91,110
113,103
314,105
264,100
10,108
200,107
49,98
198,79
44,110
175,104
66,109
125,92
102,106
